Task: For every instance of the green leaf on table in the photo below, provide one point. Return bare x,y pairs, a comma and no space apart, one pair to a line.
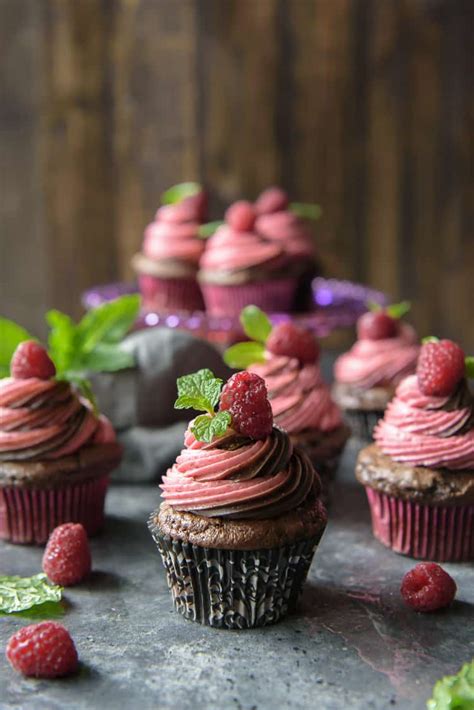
470,367
179,192
20,593
200,391
256,323
11,335
206,428
108,323
454,692
241,355
398,310
307,210
207,230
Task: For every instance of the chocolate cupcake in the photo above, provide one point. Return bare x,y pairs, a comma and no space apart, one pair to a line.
242,514
419,475
56,455
367,375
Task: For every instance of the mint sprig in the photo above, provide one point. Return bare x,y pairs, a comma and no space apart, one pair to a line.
307,210
469,367
20,593
429,339
256,323
257,326
241,355
179,192
209,228
11,335
454,691
394,310
201,391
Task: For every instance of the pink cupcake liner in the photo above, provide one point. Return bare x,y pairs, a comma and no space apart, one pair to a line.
170,294
426,532
273,296
28,515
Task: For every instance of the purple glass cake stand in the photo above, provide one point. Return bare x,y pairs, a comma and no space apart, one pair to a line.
337,304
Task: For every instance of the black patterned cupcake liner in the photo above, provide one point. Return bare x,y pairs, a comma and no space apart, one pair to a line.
234,589
363,423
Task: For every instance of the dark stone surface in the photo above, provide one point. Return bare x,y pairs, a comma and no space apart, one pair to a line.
352,645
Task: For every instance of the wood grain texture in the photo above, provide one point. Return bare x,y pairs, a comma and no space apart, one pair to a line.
363,105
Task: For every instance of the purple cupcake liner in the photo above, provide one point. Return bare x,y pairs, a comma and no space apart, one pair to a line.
29,515
425,532
234,589
168,294
268,295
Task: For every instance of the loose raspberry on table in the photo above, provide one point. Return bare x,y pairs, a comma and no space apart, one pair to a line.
67,557
244,396
30,359
427,587
441,366
43,650
273,199
377,325
241,216
287,339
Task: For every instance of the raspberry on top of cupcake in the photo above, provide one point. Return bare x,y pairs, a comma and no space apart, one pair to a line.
419,475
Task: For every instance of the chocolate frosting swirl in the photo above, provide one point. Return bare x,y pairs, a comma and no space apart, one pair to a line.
235,477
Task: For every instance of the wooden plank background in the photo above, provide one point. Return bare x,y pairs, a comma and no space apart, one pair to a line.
363,105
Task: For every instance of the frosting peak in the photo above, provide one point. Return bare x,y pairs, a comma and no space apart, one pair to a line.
428,431
174,233
231,250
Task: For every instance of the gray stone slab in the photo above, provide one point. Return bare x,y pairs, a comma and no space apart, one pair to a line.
352,644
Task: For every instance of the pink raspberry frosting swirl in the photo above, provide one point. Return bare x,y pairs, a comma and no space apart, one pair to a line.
289,230
230,250
299,396
373,363
235,477
174,234
428,431
44,419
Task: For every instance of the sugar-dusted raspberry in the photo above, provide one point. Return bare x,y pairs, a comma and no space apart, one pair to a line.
67,557
377,325
428,587
30,359
273,199
43,650
245,397
240,216
441,365
287,339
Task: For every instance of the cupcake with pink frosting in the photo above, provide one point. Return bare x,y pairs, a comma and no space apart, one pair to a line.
419,473
168,262
287,358
56,453
241,515
239,267
367,375
288,224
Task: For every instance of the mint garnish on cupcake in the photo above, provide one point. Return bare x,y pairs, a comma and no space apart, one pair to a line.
201,391
179,192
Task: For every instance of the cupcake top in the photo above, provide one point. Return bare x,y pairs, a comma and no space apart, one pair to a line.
430,422
235,464
42,418
286,357
277,222
385,352
236,253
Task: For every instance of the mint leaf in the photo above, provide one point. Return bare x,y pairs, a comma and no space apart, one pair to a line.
40,612
469,367
454,691
398,310
107,358
11,335
307,210
373,306
429,339
108,323
256,323
207,230
200,391
20,593
180,192
206,428
62,341
241,355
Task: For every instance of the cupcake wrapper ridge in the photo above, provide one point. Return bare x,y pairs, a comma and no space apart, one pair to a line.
234,589
170,294
272,296
425,532
29,515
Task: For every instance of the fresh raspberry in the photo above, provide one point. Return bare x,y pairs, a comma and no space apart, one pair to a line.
287,339
30,359
43,650
376,325
245,397
240,216
427,587
440,367
273,199
67,557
